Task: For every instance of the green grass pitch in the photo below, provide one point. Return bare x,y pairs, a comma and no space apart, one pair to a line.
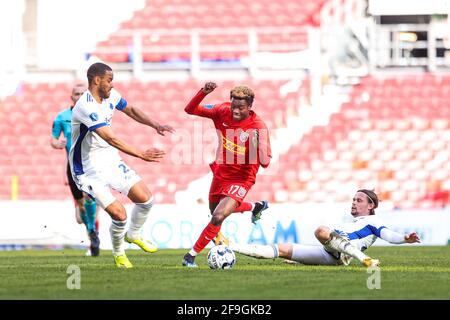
406,273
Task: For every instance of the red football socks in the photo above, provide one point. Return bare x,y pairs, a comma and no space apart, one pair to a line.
207,235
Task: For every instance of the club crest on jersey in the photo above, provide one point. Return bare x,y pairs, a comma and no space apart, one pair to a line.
111,106
93,116
241,192
243,136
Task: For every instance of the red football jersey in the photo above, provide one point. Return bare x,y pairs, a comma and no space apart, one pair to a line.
243,145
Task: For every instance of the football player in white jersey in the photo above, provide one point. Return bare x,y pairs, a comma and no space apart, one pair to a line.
96,165
339,245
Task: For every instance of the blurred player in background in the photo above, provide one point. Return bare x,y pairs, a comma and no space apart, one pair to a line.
85,208
244,145
340,245
97,166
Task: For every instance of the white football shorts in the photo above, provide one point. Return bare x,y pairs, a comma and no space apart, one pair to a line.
313,255
112,173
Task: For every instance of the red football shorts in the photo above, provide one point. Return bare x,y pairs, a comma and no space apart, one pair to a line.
220,189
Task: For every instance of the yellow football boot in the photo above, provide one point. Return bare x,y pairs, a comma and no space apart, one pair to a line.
145,245
369,262
123,262
221,239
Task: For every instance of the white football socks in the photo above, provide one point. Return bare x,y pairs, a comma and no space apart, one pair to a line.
138,218
269,251
117,231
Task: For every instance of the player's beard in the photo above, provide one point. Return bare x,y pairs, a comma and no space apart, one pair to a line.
105,94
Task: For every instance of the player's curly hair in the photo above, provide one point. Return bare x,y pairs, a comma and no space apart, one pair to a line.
243,93
97,70
372,197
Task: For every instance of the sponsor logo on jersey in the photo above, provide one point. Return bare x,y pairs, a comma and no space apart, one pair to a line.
93,116
233,147
208,106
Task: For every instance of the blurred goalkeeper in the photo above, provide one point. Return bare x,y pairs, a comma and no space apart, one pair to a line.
85,208
244,145
339,246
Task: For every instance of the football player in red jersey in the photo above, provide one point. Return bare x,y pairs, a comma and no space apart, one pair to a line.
244,145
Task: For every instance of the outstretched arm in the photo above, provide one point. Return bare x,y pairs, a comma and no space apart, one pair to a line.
137,114
150,155
398,238
194,106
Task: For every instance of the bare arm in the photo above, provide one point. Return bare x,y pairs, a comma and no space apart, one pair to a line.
137,114
61,144
57,129
150,155
58,143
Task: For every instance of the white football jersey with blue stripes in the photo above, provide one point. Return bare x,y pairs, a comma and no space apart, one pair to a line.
88,148
362,231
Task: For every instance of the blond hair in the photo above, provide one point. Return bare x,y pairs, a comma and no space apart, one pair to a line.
244,93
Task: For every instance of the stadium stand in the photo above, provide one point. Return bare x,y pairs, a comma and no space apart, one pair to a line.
40,168
386,134
394,132
166,27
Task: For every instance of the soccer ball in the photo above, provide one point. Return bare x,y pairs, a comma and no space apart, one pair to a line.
221,257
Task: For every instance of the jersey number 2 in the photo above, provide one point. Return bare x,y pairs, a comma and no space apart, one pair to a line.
124,168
